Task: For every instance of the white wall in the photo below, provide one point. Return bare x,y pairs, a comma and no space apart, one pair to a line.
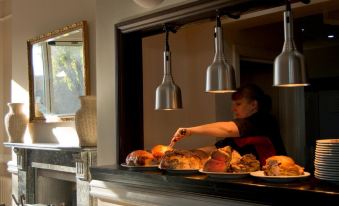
5,73
5,69
36,17
110,12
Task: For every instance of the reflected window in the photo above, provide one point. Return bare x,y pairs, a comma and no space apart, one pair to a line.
58,92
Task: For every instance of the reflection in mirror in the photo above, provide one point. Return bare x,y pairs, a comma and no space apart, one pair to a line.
58,72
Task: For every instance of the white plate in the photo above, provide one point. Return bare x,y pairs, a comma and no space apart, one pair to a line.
325,177
261,175
330,166
328,141
326,165
329,174
327,169
326,151
226,175
328,146
327,159
147,167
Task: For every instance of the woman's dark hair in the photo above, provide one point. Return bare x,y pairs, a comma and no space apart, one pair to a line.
253,92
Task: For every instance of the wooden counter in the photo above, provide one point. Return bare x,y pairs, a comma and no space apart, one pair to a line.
176,187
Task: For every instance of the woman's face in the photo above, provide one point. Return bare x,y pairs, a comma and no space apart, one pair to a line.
243,107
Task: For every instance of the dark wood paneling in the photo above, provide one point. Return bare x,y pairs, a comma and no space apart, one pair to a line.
130,94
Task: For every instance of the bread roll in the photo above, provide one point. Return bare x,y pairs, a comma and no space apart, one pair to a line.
213,165
140,158
246,163
180,159
227,159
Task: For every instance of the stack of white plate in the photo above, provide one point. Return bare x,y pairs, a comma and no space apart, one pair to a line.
326,161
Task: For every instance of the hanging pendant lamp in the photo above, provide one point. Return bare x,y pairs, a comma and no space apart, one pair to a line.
220,76
289,65
168,94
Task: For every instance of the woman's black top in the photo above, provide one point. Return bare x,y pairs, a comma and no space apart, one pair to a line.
258,124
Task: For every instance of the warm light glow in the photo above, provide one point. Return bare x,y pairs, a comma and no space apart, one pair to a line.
20,95
27,137
221,91
61,74
51,118
170,109
66,136
292,85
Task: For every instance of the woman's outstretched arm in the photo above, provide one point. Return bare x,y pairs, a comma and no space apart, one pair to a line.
217,129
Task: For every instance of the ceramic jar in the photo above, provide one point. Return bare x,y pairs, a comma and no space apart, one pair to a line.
16,122
86,121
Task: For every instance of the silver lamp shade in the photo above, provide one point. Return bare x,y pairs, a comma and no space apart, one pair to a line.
220,76
289,65
168,94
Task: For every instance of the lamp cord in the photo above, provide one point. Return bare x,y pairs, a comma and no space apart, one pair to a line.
288,5
166,41
218,19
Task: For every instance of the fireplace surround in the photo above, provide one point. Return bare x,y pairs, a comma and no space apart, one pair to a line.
52,174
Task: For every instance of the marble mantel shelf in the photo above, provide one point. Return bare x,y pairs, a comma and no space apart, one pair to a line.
48,146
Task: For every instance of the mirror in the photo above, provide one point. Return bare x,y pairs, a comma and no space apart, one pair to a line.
58,72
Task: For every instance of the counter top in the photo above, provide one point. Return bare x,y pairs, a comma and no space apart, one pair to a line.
249,189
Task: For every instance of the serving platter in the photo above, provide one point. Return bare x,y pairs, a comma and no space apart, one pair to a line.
226,175
327,151
282,179
328,141
140,168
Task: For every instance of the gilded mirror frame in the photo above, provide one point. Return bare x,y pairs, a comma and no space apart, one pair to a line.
86,77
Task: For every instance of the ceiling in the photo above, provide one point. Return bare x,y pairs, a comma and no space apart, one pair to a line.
313,22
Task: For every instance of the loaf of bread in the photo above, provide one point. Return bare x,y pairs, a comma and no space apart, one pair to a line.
140,158
182,160
227,159
282,166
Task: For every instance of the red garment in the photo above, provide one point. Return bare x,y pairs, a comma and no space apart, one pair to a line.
262,144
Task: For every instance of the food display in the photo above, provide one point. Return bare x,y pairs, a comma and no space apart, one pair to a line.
227,159
282,166
140,158
159,150
183,160
145,158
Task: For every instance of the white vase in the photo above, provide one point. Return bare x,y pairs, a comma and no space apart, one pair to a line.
16,122
86,121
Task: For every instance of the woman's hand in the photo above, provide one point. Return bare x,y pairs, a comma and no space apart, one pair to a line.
179,134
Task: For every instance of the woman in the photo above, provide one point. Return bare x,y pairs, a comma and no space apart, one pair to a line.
253,129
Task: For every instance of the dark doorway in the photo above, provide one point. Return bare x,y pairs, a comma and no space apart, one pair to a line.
260,73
